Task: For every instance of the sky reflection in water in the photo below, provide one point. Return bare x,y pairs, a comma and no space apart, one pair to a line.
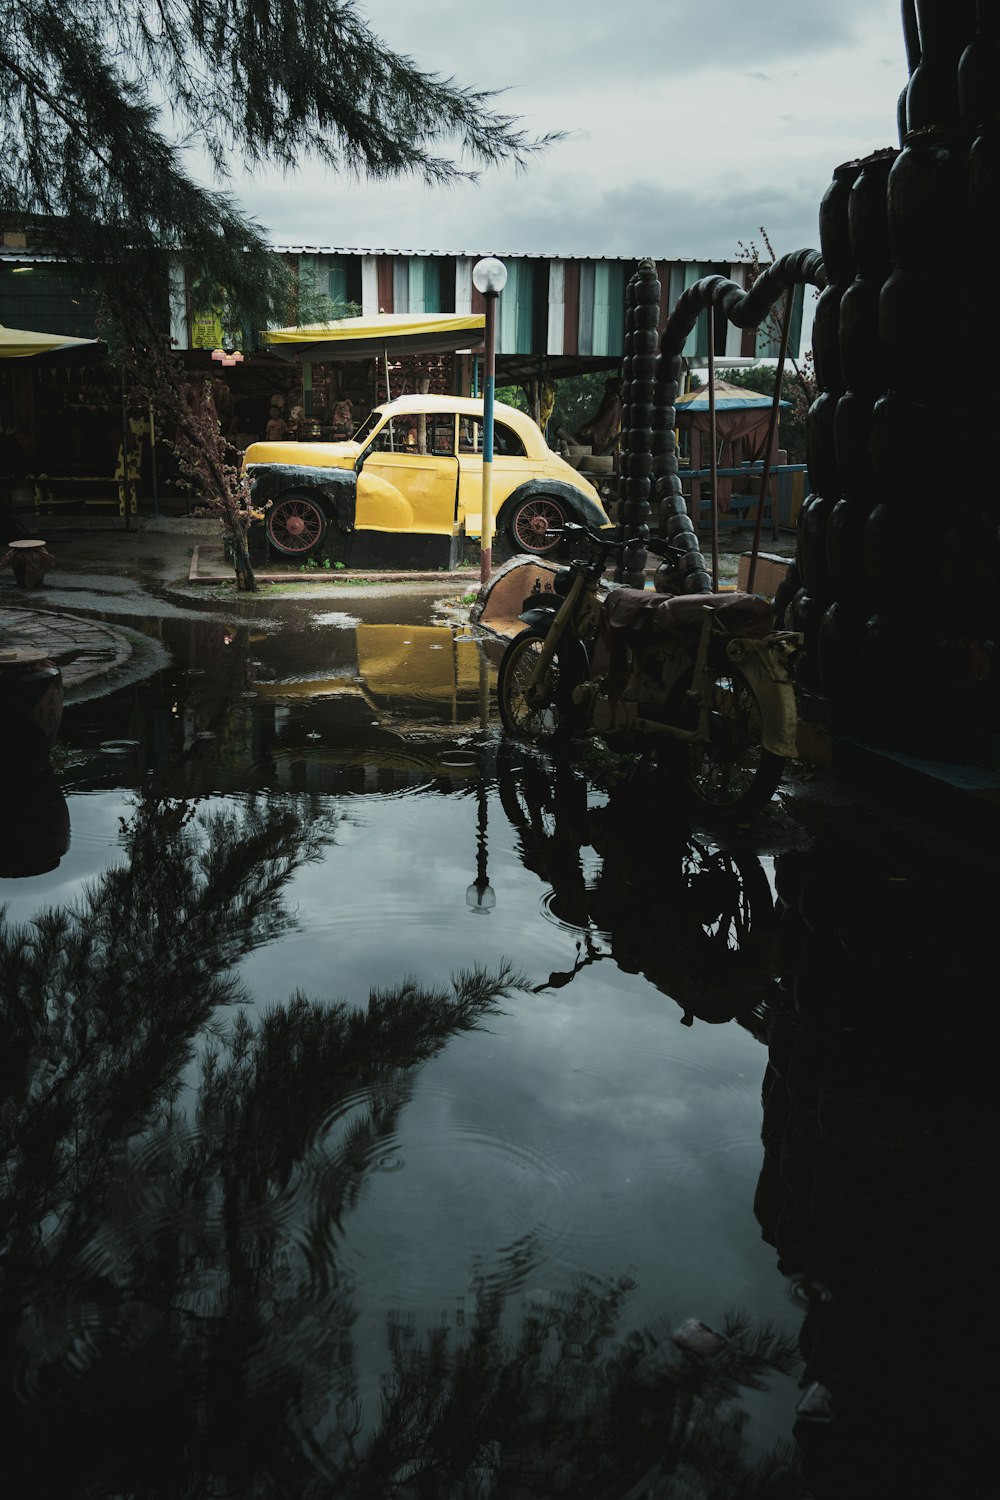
303,1217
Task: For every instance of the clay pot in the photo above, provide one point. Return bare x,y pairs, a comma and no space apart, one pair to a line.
821,452
841,646
826,338
834,231
34,830
982,190
867,215
924,198
845,550
900,444
978,69
29,560
907,334
932,93
813,519
860,352
852,433
31,704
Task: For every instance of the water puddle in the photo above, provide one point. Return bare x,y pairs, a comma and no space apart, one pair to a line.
411,1104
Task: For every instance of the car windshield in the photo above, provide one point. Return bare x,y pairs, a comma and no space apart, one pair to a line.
368,426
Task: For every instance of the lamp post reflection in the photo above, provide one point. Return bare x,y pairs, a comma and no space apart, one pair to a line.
480,895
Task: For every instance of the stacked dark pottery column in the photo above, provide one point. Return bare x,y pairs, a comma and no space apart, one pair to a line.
649,450
842,629
635,483
898,544
811,573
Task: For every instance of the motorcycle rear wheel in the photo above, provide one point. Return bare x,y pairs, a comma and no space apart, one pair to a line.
551,715
731,777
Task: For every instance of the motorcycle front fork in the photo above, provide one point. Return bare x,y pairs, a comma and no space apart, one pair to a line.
553,636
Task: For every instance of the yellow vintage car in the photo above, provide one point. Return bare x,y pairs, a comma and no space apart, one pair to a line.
406,490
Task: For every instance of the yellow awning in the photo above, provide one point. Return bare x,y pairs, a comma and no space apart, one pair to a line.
21,343
366,338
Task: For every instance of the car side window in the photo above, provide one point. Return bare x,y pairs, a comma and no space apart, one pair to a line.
470,435
506,443
441,434
418,433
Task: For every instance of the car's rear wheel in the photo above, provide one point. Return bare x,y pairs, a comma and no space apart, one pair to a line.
529,520
295,525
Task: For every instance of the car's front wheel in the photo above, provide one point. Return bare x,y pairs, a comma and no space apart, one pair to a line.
295,525
529,521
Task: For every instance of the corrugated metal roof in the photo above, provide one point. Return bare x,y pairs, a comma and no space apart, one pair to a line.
694,260
48,257
7,253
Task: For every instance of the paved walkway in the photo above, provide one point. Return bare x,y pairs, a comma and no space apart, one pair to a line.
80,648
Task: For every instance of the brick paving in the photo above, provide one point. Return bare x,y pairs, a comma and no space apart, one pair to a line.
80,648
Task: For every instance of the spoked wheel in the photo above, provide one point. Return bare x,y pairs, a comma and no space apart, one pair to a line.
730,777
295,525
729,896
529,522
544,712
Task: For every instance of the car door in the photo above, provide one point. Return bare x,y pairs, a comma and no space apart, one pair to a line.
511,467
415,453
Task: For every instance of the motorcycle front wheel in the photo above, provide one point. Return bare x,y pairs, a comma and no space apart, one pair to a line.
730,776
548,714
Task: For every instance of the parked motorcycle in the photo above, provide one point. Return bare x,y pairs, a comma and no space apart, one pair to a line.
700,681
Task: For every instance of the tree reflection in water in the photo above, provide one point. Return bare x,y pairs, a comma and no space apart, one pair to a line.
172,1309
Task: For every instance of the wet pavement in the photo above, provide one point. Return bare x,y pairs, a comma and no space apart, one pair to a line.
82,649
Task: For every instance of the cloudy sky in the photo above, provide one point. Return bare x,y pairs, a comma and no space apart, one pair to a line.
690,123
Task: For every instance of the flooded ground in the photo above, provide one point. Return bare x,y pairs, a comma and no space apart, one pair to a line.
390,1111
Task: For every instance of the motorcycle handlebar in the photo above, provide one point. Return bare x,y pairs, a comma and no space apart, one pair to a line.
660,545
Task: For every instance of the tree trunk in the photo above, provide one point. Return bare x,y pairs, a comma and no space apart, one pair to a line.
246,579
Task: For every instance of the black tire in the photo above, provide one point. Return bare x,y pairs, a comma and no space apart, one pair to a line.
296,525
553,717
732,777
528,520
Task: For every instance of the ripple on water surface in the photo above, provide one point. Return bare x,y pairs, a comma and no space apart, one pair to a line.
456,1194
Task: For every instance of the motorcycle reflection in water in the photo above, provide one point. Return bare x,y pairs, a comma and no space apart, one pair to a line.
697,920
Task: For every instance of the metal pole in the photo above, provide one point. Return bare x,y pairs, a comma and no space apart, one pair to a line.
772,431
123,492
712,438
152,460
489,383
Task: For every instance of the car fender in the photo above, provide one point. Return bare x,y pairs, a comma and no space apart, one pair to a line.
580,505
381,506
336,489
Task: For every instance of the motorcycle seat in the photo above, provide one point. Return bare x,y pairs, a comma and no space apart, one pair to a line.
636,611
636,616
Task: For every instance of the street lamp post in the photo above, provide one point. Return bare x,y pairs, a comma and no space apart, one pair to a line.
489,276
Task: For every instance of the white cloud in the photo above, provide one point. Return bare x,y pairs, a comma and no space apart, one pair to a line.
687,126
